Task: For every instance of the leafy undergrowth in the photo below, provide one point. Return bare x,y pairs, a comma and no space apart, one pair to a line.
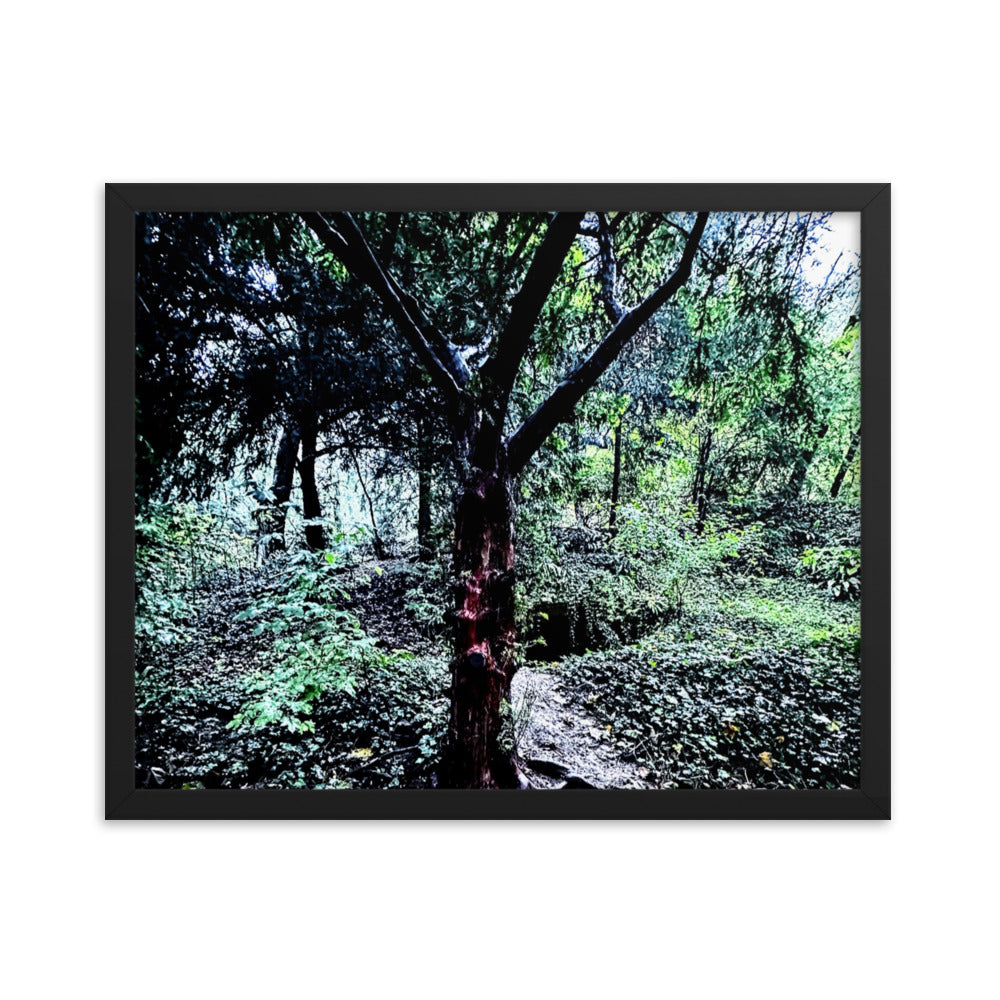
314,676
387,734
759,687
247,702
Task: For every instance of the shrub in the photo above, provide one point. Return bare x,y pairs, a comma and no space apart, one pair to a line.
317,646
164,535
837,568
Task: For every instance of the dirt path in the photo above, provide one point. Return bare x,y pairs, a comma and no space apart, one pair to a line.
560,747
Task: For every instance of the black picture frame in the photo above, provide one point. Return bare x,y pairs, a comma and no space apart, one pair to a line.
124,801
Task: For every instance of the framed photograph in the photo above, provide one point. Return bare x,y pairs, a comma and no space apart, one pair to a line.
498,501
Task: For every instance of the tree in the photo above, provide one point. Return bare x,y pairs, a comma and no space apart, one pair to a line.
845,465
489,455
246,353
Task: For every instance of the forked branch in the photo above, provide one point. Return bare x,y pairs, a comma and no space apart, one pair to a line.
563,399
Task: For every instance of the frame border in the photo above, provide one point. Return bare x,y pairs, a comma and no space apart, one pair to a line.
124,801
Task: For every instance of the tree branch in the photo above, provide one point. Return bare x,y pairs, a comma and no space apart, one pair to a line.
499,373
346,242
608,271
446,352
560,404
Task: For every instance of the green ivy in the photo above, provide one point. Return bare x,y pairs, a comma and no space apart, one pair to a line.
837,568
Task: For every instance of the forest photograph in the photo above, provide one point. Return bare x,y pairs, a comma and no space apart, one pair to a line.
497,500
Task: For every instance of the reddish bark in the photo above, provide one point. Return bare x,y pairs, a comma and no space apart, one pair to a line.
483,664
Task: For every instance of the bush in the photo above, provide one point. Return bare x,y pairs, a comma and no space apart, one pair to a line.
836,568
577,594
164,536
317,646
663,553
427,597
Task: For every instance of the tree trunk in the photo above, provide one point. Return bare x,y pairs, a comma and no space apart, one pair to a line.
699,494
311,510
424,551
577,450
616,481
845,465
377,544
483,664
798,477
760,473
273,521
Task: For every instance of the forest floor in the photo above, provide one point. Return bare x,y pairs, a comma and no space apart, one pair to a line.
184,712
756,684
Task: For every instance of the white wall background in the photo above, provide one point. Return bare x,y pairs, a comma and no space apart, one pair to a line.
526,91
